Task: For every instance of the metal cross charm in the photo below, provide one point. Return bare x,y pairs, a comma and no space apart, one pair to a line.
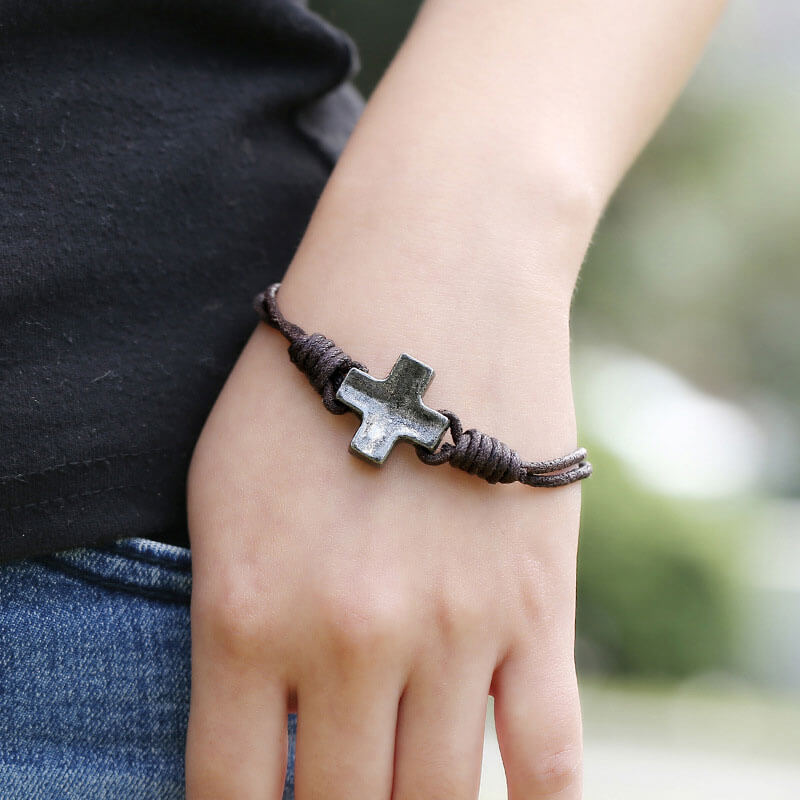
392,409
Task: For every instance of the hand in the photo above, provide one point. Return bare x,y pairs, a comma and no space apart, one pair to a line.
383,604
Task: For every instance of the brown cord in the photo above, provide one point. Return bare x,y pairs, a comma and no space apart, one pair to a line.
495,462
325,364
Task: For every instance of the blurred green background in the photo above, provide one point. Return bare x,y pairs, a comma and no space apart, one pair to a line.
686,370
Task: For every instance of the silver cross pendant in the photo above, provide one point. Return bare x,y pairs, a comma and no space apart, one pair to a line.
392,409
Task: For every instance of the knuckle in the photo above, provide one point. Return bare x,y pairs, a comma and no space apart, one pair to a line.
555,770
460,618
238,621
363,622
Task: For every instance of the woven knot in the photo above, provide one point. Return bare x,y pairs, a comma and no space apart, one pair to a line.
487,457
318,357
325,364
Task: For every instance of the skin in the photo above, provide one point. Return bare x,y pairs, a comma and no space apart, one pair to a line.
386,604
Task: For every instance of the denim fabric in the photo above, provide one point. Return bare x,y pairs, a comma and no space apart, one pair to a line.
94,674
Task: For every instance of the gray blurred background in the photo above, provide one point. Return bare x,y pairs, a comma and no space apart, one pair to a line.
686,370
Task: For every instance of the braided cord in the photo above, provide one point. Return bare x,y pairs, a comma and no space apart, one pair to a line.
494,461
326,365
318,357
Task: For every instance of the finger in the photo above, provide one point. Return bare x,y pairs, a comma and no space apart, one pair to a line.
237,740
346,723
538,722
440,731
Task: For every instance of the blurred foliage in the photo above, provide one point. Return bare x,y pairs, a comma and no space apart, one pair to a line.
655,594
696,259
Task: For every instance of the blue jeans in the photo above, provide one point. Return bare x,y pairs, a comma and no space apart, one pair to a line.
94,674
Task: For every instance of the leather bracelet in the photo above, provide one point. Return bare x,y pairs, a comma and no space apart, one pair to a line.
392,409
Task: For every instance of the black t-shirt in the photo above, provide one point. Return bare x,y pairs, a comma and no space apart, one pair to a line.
159,161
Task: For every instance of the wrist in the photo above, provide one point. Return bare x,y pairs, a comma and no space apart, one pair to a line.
468,270
392,409
510,379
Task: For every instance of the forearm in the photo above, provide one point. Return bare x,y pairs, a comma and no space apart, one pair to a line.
535,83
456,220
529,92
